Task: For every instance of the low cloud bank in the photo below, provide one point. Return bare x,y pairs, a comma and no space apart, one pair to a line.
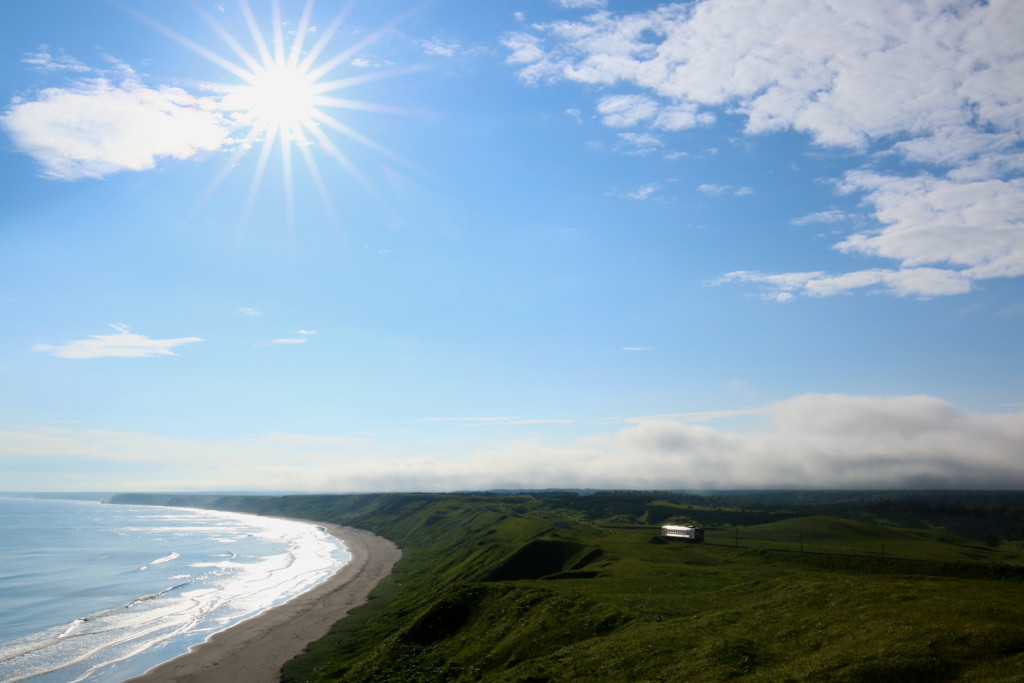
810,441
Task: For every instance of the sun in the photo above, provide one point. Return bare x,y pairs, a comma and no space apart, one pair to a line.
280,96
285,92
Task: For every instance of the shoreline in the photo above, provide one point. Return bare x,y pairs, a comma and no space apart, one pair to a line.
254,650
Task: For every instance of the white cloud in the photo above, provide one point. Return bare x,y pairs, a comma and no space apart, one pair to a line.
302,339
440,48
923,283
932,82
932,221
830,216
45,59
98,126
584,4
124,344
927,69
643,193
815,440
682,116
250,311
96,129
713,190
642,141
622,111
526,49
945,234
637,348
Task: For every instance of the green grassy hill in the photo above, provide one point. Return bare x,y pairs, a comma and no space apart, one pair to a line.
824,534
550,588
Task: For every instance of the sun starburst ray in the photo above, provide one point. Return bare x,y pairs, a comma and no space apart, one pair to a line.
257,176
332,150
325,37
289,188
300,35
318,182
351,81
278,32
247,58
357,105
225,170
225,64
281,96
319,72
353,134
257,34
228,166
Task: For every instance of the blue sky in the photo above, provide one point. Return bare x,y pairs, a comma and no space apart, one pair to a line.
458,244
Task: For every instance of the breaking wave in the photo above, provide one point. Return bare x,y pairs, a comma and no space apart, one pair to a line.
205,590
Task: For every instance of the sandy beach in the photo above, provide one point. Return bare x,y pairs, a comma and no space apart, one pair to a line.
255,650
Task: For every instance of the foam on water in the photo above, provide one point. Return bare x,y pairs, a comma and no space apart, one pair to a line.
122,588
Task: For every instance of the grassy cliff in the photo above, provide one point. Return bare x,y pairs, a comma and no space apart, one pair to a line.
560,587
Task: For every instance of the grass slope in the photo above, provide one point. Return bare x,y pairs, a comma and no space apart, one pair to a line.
823,534
548,588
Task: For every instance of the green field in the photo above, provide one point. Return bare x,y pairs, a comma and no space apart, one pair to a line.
564,587
835,535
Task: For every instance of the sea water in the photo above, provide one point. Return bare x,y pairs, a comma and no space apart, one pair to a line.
101,593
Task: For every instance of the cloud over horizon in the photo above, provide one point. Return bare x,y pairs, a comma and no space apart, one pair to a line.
944,91
808,441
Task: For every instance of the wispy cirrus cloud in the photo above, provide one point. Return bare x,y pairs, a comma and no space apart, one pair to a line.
623,111
47,59
123,344
503,420
934,84
641,143
829,216
713,190
923,283
440,48
303,337
581,4
642,193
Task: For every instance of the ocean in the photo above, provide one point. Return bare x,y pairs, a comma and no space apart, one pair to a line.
101,593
